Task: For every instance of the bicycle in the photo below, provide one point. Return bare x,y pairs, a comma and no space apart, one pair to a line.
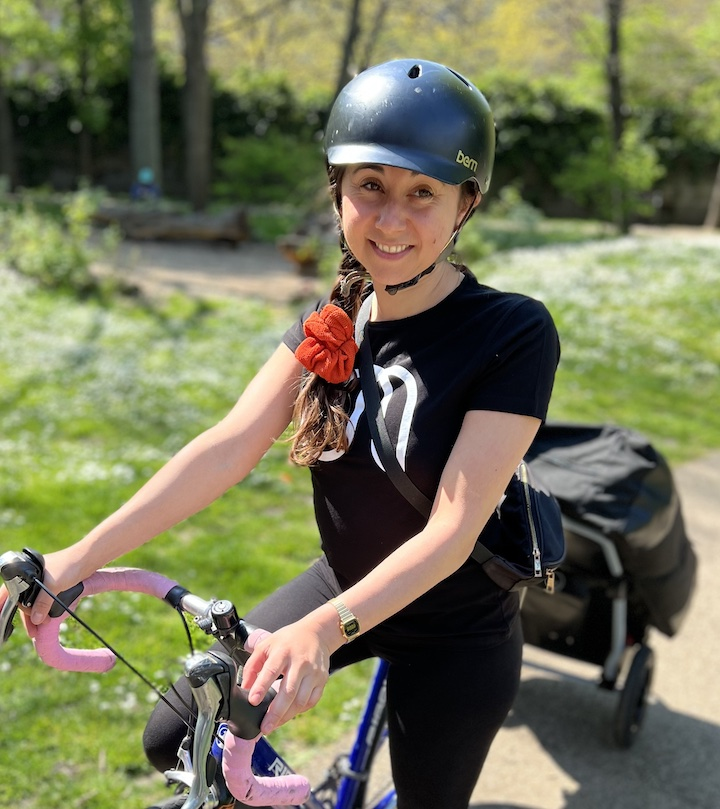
223,761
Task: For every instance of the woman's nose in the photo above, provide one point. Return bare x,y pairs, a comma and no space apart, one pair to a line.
390,217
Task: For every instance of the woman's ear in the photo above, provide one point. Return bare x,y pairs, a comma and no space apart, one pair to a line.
467,209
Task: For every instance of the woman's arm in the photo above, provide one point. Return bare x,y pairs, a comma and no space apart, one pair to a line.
195,477
487,452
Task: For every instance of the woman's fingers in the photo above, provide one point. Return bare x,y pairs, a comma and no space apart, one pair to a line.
302,663
291,701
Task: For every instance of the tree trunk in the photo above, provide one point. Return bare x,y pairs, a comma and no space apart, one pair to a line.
85,157
197,102
712,217
615,97
145,148
351,38
374,35
8,167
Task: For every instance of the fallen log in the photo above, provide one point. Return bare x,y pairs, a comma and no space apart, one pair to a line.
141,223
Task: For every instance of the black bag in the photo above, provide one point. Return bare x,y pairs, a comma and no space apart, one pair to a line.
523,541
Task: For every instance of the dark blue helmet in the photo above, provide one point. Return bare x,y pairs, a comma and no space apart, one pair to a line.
415,115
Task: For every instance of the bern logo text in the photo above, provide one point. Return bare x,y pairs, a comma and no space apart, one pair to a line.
466,161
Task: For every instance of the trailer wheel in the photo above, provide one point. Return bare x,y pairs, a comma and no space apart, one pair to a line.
633,698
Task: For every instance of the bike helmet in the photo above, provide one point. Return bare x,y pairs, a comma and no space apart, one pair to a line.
415,115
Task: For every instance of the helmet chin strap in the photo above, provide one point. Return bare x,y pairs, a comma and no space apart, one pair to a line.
393,289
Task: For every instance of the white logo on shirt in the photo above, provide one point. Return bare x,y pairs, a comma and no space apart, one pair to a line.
384,377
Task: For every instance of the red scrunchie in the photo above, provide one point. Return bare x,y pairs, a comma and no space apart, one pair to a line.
329,347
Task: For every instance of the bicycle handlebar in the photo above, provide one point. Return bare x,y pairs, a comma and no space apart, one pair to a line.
46,635
237,755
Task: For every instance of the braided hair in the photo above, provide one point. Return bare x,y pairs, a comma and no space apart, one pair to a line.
320,414
321,408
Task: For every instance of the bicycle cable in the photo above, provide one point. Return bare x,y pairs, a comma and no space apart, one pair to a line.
126,662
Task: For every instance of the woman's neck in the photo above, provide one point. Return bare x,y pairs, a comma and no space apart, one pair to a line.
428,292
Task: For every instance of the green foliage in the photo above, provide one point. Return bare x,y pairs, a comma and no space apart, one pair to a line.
272,168
509,223
269,222
266,102
539,128
606,182
511,206
53,250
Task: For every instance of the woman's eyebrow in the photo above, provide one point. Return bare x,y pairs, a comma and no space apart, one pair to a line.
379,167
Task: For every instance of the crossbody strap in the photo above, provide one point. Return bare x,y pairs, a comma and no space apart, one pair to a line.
379,433
380,436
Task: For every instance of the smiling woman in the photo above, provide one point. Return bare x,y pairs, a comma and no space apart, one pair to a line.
464,374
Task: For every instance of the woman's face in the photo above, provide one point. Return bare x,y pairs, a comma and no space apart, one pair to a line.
397,222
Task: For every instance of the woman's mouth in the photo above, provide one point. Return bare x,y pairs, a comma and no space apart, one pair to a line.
391,249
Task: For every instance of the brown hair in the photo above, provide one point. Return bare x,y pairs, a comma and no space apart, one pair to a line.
321,408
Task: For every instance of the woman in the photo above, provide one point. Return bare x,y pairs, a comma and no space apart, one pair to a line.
466,374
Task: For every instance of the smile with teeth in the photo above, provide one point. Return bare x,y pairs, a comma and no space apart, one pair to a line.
391,248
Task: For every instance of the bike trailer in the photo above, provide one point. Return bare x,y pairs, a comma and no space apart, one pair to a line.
629,564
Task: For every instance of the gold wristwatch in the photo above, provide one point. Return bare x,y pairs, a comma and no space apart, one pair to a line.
349,624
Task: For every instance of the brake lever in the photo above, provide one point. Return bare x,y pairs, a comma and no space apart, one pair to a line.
21,573
7,616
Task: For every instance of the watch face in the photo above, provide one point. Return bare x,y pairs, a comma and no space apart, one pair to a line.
351,627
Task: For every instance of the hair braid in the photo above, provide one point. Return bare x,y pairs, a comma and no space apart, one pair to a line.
321,414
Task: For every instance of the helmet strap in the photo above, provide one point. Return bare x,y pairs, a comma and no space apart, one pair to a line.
393,289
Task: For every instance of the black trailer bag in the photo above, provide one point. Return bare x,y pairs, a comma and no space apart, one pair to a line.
611,479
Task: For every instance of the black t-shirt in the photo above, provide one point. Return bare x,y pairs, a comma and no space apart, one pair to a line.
478,349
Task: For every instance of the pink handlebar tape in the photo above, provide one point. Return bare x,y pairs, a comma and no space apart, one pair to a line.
46,636
252,790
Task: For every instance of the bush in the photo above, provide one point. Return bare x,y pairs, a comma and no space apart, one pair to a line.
273,168
52,249
612,185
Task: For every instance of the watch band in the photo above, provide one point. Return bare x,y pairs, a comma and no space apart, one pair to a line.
349,624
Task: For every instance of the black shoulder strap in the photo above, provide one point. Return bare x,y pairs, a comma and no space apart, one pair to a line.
379,433
380,436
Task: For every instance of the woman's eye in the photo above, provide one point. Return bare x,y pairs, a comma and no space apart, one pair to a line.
425,193
370,185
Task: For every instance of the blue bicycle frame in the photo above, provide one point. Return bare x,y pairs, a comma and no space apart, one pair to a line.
266,760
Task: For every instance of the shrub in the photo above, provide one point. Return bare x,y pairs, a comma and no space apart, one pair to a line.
53,250
593,178
272,168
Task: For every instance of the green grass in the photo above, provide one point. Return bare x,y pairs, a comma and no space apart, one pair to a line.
94,398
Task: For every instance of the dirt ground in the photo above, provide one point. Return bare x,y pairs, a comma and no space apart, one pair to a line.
209,270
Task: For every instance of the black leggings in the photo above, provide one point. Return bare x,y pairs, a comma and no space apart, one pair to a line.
444,708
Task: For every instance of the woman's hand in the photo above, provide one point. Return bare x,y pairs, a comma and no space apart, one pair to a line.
63,570
297,653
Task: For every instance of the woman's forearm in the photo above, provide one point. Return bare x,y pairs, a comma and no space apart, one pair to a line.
203,470
470,489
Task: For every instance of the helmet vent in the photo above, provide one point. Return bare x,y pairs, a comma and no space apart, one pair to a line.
415,72
462,78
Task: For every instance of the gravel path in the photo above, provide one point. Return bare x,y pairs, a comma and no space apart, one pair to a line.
251,270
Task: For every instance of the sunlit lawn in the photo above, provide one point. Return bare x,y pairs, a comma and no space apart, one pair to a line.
93,399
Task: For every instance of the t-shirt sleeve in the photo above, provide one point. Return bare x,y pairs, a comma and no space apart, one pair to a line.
295,334
519,377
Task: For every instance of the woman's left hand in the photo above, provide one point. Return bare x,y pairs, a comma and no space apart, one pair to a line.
297,653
